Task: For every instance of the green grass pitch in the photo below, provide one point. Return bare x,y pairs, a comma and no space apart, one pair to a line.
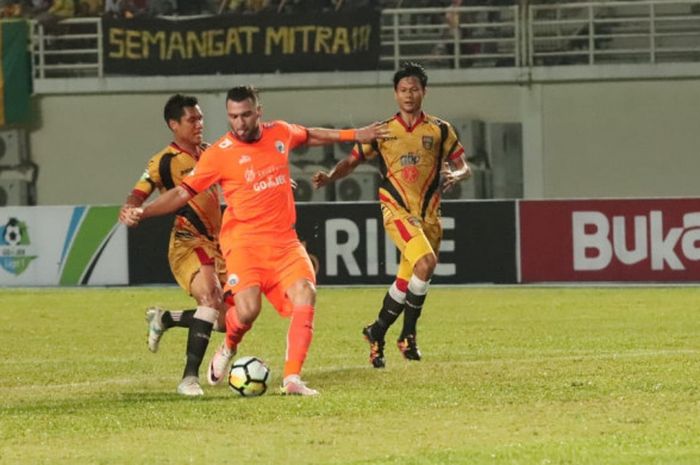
510,376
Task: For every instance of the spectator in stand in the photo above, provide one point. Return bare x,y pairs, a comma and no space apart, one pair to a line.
454,19
134,8
88,8
33,7
139,8
112,8
161,7
246,6
10,9
58,11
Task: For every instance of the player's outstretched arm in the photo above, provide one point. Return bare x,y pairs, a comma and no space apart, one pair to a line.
172,200
376,130
132,201
364,135
341,169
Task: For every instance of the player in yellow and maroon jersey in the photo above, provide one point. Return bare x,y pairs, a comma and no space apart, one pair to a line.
421,158
194,255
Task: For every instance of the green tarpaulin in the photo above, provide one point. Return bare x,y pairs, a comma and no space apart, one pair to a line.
15,79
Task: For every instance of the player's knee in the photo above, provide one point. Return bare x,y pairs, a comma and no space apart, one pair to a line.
248,305
209,298
302,292
247,314
425,267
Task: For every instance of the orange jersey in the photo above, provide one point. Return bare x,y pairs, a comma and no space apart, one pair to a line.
255,181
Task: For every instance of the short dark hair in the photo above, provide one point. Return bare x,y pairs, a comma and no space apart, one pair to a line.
241,93
411,68
175,107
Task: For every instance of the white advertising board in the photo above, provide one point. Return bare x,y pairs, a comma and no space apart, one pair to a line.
62,246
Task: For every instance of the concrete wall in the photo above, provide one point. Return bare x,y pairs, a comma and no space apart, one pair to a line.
601,139
621,139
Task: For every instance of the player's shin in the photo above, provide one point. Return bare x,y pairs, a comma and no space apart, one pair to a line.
301,329
415,298
392,307
218,327
235,330
198,338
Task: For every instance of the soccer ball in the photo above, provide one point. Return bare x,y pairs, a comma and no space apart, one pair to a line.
248,376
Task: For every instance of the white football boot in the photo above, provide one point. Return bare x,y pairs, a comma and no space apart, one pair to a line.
154,317
294,386
219,364
189,386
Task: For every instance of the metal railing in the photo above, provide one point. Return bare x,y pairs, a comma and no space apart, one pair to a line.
614,32
72,48
582,33
481,37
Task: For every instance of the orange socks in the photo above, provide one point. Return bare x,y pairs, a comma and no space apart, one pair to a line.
301,330
234,329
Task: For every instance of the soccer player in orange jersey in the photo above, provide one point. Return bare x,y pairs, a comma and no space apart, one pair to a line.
419,159
262,251
193,252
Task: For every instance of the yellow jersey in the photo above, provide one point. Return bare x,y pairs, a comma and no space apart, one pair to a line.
410,160
167,169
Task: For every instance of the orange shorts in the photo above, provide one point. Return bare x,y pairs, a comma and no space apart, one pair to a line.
273,268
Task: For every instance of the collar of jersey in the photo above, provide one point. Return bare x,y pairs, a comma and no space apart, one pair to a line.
420,119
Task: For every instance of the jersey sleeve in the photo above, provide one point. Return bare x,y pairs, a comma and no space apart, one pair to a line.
298,135
205,173
451,146
364,152
149,180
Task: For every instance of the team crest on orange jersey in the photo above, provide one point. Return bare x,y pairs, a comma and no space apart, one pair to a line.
427,142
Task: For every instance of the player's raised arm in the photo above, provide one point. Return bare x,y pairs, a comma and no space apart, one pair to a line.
366,134
171,201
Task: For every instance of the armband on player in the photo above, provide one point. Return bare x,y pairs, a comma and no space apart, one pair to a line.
347,135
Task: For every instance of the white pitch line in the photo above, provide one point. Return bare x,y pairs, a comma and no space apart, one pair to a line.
102,382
